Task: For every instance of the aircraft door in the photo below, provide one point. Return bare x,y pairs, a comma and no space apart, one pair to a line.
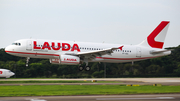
29,45
138,52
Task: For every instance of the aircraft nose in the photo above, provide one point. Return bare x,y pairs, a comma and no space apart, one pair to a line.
12,73
8,48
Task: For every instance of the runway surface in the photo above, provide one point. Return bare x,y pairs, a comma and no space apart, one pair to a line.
124,81
151,97
110,79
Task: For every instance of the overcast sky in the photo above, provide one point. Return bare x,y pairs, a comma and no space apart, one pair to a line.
109,21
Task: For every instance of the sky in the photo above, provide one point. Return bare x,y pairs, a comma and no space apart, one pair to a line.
109,21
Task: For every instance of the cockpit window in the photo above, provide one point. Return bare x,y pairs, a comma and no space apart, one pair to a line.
18,44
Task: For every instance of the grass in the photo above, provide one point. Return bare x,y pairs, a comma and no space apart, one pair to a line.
49,90
56,81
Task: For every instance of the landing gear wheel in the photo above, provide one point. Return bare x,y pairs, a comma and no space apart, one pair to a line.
80,68
87,68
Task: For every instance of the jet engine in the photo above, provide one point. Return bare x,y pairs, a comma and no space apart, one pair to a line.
66,59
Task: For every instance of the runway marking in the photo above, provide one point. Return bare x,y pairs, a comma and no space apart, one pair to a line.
36,99
157,98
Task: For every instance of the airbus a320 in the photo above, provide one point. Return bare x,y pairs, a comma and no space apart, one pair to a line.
76,53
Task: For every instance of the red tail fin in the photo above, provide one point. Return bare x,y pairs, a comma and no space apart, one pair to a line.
157,37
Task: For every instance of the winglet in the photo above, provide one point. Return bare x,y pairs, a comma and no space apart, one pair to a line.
121,47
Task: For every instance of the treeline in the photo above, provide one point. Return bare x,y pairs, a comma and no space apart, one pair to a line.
167,66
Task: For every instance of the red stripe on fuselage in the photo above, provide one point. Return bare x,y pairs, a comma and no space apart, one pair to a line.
32,53
69,62
125,58
96,57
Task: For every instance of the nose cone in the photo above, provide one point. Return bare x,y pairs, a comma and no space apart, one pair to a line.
12,73
8,48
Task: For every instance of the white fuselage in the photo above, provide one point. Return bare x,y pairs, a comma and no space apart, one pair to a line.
6,73
53,49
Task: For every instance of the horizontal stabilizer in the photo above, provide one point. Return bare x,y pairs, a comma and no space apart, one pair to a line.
161,51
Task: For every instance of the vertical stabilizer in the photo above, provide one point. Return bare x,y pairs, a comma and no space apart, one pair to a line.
157,37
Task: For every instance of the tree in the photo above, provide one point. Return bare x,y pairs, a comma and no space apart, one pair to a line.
162,66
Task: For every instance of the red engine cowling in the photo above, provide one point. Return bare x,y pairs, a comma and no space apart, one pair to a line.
66,59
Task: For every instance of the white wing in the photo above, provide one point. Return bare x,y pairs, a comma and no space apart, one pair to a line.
94,54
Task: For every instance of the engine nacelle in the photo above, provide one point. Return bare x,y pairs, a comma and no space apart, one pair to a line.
66,59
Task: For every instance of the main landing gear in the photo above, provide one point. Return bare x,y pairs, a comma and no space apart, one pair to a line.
87,68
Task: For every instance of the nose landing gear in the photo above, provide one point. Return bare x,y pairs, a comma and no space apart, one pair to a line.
27,61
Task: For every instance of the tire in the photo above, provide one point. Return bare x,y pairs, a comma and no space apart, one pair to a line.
80,68
88,68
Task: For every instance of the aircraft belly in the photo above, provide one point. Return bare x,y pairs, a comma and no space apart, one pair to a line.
35,55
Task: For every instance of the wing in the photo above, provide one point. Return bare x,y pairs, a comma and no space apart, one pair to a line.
93,54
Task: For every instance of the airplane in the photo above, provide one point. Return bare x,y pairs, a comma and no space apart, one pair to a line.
6,73
76,53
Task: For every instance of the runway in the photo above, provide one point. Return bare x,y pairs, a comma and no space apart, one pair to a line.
123,81
110,79
149,97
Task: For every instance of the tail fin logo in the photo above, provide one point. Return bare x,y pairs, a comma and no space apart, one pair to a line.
157,30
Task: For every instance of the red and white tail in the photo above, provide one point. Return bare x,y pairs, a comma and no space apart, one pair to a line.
157,37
